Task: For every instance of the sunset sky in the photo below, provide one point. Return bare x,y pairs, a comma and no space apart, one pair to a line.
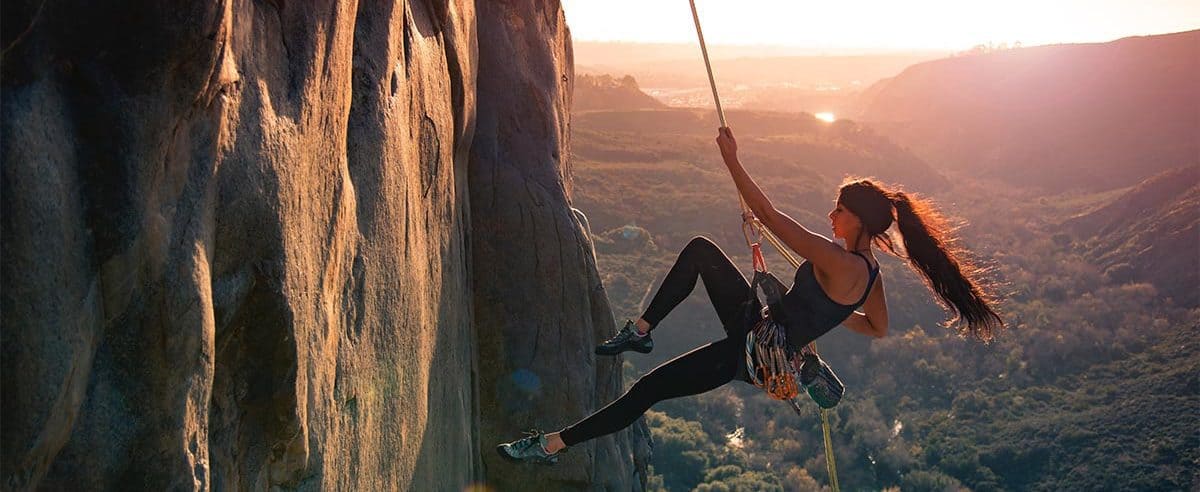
882,25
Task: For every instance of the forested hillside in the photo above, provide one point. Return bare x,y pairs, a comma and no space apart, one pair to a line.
1137,236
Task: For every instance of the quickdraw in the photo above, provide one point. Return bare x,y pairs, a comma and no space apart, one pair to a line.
767,361
766,352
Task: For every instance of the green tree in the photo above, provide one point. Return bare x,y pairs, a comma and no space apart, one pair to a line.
682,451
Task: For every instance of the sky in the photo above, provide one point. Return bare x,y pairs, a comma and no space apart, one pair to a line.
885,25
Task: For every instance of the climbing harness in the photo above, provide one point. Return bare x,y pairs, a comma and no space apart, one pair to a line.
768,359
775,377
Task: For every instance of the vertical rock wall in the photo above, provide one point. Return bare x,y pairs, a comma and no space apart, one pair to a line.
235,248
540,307
234,244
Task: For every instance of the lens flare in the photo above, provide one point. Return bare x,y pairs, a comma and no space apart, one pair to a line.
526,380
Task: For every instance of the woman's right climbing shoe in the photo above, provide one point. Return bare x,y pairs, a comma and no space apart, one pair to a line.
528,449
626,339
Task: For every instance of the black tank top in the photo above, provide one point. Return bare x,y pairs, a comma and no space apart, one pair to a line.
811,311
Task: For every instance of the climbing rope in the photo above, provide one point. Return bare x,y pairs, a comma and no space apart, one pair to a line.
704,50
752,223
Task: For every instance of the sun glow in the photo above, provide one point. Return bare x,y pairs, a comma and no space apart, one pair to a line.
827,27
826,117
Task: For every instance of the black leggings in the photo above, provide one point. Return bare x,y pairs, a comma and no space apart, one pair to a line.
695,372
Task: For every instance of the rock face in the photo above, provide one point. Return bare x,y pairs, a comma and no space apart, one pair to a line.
235,245
534,263
238,248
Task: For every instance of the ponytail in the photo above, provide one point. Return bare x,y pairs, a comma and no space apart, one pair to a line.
930,250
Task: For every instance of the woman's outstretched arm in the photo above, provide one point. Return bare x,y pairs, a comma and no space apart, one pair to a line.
824,254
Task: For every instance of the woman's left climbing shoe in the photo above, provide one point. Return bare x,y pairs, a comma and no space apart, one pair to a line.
626,339
529,449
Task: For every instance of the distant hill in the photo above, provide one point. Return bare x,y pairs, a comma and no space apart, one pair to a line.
698,122
1085,116
767,78
606,92
795,140
1148,234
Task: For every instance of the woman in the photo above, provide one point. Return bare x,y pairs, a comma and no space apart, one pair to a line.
835,281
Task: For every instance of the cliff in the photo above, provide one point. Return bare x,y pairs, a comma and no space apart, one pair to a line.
239,244
540,307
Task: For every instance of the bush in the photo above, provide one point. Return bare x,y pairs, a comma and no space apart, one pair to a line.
626,239
798,480
930,481
1121,273
682,451
731,478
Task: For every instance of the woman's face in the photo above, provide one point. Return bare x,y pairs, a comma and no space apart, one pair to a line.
844,223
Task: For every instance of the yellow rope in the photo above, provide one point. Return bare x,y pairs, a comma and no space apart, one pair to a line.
830,464
704,50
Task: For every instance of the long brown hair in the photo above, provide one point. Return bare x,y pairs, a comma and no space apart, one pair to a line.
930,248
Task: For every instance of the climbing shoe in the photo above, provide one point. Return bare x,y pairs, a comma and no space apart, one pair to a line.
528,449
626,339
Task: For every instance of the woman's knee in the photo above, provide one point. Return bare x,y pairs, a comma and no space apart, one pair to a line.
644,392
702,245
645,385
